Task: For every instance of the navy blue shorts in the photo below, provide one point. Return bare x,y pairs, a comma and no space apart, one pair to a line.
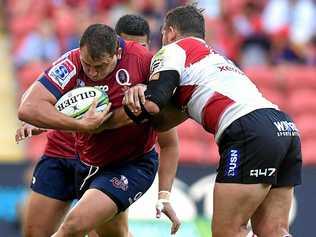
261,147
54,177
123,183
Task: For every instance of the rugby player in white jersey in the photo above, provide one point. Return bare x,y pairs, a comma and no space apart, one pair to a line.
259,146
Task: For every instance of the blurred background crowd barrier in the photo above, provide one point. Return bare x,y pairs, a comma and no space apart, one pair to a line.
273,41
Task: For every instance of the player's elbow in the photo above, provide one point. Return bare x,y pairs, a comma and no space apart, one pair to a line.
23,114
26,112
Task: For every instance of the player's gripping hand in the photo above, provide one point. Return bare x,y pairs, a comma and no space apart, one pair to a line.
27,130
163,205
92,119
134,96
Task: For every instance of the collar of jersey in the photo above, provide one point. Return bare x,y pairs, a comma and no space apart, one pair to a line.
121,43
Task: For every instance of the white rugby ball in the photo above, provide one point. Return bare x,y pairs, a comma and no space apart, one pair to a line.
78,101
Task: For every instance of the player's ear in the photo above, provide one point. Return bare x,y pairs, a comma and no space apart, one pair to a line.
172,33
119,53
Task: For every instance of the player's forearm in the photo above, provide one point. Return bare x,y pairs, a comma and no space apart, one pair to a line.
151,107
118,119
37,108
169,156
44,115
169,117
168,168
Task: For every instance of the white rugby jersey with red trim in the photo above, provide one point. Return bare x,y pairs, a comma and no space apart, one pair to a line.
213,90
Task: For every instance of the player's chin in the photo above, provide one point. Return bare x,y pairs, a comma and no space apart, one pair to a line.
95,78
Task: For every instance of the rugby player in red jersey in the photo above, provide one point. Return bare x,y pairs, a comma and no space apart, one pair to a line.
259,145
60,145
118,165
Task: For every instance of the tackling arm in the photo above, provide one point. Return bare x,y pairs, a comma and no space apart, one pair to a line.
158,93
143,103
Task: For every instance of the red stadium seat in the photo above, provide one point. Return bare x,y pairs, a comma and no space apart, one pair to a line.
28,74
263,77
35,147
193,151
192,130
196,145
300,78
306,125
308,151
275,96
214,155
302,101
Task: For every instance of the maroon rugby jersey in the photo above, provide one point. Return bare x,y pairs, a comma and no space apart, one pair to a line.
109,146
60,144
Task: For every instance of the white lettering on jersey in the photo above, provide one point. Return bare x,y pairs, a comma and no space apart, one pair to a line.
62,72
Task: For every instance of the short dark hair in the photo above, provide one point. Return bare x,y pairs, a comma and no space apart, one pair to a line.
188,20
99,39
133,25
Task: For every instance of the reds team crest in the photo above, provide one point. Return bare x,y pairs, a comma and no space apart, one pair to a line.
121,183
122,77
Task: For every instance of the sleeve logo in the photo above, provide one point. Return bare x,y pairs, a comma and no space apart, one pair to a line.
62,72
157,61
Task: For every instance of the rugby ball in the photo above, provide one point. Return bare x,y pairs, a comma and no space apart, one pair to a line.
78,101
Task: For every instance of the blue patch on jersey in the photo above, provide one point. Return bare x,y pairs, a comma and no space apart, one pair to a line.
232,163
49,86
62,72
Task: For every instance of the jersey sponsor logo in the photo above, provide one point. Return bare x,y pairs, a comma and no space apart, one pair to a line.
232,165
263,172
120,183
157,61
73,100
286,129
224,68
156,65
62,72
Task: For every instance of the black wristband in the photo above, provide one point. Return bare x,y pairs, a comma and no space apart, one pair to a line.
130,114
141,118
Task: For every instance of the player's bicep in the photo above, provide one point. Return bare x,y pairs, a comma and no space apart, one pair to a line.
168,138
161,89
37,93
168,118
36,99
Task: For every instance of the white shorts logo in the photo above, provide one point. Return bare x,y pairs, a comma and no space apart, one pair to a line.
33,180
263,172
